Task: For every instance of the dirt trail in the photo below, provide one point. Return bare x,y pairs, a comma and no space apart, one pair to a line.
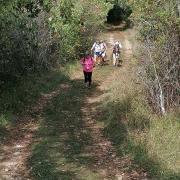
109,165
13,156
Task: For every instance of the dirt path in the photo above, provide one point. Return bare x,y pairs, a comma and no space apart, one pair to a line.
109,165
14,155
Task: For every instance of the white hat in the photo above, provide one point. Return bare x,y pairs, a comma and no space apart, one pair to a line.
116,42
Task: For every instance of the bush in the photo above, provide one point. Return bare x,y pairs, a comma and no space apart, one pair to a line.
158,24
37,35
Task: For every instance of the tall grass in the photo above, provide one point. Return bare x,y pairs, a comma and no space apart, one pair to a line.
164,143
153,142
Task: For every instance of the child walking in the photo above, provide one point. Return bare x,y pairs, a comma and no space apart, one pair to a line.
87,62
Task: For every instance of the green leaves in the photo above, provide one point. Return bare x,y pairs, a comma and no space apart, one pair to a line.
158,25
75,22
36,35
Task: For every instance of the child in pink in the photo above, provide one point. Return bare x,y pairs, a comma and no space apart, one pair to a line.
87,61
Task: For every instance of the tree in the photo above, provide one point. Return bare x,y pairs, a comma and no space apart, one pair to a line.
158,24
37,35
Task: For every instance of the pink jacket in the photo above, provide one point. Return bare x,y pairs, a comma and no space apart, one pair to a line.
87,63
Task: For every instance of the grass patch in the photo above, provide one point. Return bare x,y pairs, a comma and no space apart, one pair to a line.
164,145
6,120
152,142
16,98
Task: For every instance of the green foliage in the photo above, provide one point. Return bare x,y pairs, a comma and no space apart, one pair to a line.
158,24
154,18
75,23
37,35
19,40
3,120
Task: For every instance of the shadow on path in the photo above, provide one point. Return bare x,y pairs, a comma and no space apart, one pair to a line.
63,136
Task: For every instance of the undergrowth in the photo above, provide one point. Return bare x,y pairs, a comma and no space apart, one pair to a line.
153,142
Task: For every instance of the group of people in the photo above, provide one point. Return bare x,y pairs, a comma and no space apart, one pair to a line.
99,50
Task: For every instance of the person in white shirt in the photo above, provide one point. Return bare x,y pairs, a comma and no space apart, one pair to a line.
96,49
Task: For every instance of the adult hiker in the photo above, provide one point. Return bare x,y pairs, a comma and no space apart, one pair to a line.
87,62
116,53
103,50
97,51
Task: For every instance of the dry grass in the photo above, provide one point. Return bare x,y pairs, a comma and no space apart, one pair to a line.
164,142
152,141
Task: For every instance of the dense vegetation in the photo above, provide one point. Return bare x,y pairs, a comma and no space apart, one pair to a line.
158,24
158,57
38,37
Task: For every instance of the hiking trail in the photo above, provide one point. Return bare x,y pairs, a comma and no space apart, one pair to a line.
105,164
